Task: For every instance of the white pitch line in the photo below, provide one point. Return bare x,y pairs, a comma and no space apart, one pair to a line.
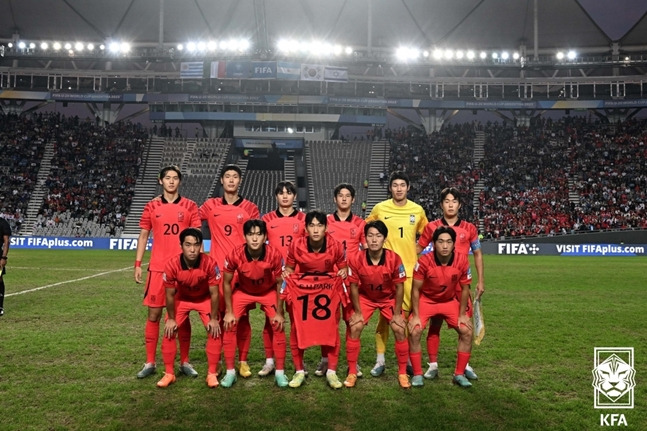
67,282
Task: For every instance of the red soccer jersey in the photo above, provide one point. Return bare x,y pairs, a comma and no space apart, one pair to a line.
440,282
282,230
377,282
192,284
467,236
314,299
303,259
165,220
255,277
226,224
349,232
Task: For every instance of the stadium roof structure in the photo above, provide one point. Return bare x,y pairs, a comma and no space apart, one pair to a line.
592,25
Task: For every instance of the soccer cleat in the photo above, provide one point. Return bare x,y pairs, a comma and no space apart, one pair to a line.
461,381
297,380
377,370
148,370
410,370
228,381
350,381
333,380
432,372
281,380
359,372
470,374
266,370
212,380
322,367
187,370
243,370
403,379
417,381
1,311
166,380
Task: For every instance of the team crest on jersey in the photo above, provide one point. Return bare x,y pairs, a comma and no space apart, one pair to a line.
239,218
412,219
180,216
295,228
328,263
454,278
353,233
461,237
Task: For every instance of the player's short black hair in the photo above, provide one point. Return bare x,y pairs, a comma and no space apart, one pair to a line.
319,215
398,175
377,224
165,170
252,223
287,185
450,191
191,231
346,186
230,167
444,229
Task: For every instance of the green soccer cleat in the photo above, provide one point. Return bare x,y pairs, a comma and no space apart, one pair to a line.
416,381
281,380
228,381
297,380
333,381
461,381
188,370
470,374
148,370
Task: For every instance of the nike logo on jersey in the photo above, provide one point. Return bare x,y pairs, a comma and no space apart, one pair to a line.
158,215
273,227
387,217
216,215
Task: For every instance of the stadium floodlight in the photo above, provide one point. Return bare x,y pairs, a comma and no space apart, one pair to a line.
68,46
560,55
290,130
483,55
44,46
349,50
337,49
448,54
495,55
515,55
32,45
78,47
438,53
124,47
22,45
243,45
180,47
404,53
425,53
202,46
460,54
57,46
191,47
102,47
471,55
571,55
90,47
505,55
212,45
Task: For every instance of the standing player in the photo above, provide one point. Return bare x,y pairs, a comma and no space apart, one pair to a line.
225,217
466,238
436,279
5,231
404,219
348,229
166,217
315,253
284,225
191,280
258,267
376,283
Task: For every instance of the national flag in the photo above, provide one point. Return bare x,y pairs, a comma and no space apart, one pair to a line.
218,69
312,72
191,69
287,70
336,74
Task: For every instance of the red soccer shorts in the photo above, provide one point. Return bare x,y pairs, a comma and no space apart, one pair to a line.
447,310
242,302
155,294
183,308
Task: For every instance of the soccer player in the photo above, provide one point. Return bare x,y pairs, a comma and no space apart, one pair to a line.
404,219
5,231
259,268
191,280
283,226
436,279
225,217
318,252
165,216
348,229
376,283
466,238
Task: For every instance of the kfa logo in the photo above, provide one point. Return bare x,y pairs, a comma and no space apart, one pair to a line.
613,377
517,248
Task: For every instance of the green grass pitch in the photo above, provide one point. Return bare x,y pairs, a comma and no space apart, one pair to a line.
71,342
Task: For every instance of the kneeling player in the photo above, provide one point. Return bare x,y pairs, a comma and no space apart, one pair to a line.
191,281
436,277
258,267
376,283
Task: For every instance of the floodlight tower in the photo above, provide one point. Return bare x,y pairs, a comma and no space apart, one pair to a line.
261,28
